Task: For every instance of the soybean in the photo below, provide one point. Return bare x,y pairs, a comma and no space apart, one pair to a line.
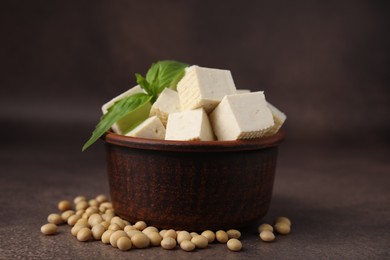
282,228
233,233
115,236
284,220
265,226
210,235
183,236
155,238
55,218
170,233
64,205
106,236
140,225
267,236
140,240
187,245
97,231
49,229
124,243
84,234
234,244
168,243
221,236
200,241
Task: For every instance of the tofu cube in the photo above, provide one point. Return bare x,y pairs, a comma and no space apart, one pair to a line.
123,125
167,102
189,125
151,128
279,119
242,116
204,87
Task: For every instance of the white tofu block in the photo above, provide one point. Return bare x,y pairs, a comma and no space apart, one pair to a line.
151,128
242,116
279,119
241,91
167,102
204,87
189,125
122,125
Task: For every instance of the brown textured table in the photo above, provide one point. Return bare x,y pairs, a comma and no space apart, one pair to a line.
337,197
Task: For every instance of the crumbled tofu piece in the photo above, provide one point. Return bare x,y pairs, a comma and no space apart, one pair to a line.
189,125
150,128
123,125
204,87
279,118
242,116
166,103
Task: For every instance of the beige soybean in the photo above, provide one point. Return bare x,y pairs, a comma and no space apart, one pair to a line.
187,245
117,220
234,244
82,205
183,236
115,236
80,212
55,218
106,236
282,228
64,205
49,229
194,234
140,240
162,232
114,227
76,228
97,231
66,214
284,220
170,233
155,238
108,216
91,210
200,241
267,236
73,219
210,235
265,226
84,234
93,203
79,199
101,198
140,225
149,229
94,219
124,243
233,233
221,236
168,243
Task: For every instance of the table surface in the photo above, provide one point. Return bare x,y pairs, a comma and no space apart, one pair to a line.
337,197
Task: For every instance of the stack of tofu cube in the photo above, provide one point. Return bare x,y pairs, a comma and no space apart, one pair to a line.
206,106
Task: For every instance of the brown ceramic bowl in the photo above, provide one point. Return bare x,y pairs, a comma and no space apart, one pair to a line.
191,185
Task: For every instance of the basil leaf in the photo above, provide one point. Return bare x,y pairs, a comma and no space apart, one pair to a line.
144,84
120,109
165,74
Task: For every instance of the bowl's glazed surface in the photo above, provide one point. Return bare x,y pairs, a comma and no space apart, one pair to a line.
191,185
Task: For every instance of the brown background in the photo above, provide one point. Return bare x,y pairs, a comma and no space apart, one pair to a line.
324,63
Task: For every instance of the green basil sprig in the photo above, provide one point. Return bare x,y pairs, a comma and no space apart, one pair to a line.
162,74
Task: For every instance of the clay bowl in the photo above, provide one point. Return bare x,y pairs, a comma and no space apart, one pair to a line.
191,185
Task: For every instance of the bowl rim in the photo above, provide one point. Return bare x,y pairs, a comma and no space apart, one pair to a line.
193,146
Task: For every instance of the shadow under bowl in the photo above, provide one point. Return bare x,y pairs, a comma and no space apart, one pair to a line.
191,185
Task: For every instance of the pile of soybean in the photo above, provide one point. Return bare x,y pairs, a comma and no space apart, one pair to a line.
95,219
